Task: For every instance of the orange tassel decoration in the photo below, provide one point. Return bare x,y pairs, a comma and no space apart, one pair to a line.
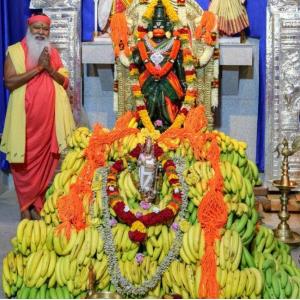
205,28
119,33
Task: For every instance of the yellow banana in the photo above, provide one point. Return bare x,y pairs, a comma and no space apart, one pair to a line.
21,228
242,283
52,264
174,272
71,243
6,271
258,280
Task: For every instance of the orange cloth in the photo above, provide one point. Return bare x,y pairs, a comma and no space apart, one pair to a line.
32,177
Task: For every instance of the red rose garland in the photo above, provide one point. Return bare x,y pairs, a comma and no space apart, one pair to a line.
139,222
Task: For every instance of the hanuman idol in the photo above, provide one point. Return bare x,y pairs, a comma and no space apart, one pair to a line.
169,50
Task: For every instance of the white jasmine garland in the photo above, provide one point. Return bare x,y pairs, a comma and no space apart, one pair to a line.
122,285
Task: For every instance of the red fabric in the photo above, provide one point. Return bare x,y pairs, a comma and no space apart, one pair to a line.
32,177
39,18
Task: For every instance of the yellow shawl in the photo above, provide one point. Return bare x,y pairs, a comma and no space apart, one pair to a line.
14,133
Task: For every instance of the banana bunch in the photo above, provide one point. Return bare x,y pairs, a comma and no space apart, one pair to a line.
197,176
182,279
49,212
228,143
234,152
191,213
39,268
159,241
88,243
71,167
126,248
12,273
49,191
265,241
230,250
235,182
245,226
193,244
43,293
183,149
100,268
79,139
120,147
31,236
273,258
128,143
127,187
67,273
133,271
245,283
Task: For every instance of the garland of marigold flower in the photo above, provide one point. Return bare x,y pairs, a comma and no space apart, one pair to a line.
70,207
212,211
139,223
158,73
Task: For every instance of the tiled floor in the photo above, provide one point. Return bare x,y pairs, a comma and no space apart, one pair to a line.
9,217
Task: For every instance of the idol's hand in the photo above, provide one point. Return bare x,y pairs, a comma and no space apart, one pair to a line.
44,59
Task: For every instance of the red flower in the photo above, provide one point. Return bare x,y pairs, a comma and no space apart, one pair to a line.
140,107
168,163
118,166
142,29
190,72
137,236
132,66
136,151
177,197
184,111
173,181
157,218
127,217
158,151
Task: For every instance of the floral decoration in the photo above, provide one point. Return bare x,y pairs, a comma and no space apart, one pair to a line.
139,222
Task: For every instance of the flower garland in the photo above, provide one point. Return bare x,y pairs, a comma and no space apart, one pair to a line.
122,285
182,34
159,72
139,222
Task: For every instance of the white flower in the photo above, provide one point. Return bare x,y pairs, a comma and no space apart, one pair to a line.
155,209
176,191
126,208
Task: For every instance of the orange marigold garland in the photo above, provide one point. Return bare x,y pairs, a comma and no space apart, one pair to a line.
70,207
212,211
212,215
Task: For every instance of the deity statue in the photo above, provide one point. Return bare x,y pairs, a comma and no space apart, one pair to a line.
147,171
166,61
159,59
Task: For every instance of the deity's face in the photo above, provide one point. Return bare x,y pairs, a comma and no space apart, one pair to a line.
148,146
40,30
159,28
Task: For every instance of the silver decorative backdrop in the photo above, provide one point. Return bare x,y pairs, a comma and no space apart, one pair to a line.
283,84
66,37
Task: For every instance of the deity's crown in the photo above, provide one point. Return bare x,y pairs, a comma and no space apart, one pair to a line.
159,13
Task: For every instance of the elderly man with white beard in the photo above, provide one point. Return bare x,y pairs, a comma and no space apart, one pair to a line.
39,116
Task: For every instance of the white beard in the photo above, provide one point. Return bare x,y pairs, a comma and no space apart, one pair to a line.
35,48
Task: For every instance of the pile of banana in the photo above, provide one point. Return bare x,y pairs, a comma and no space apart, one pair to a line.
273,259
70,169
251,263
79,139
